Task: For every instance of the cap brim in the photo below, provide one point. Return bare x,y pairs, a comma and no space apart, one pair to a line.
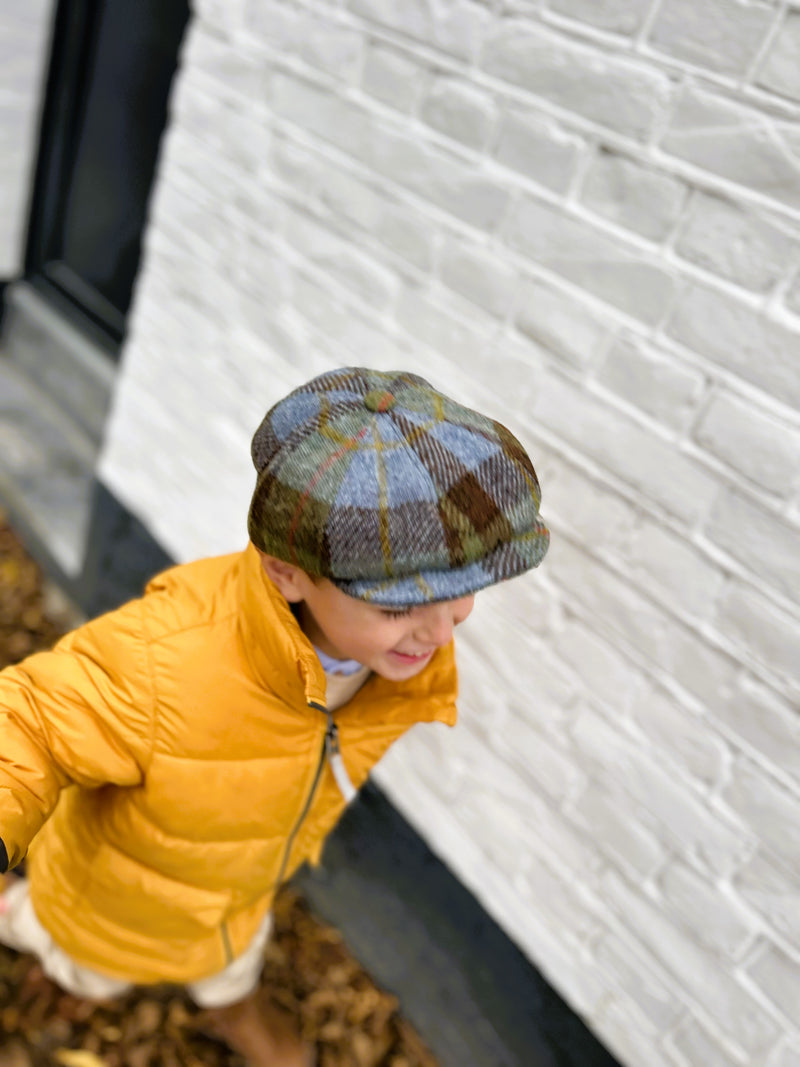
507,560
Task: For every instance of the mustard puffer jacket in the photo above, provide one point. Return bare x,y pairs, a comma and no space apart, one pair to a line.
165,764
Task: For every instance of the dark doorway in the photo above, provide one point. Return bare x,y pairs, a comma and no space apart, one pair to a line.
112,64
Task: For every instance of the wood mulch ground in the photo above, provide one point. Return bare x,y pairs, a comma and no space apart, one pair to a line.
308,970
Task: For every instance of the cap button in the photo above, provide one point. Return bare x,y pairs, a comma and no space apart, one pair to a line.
379,400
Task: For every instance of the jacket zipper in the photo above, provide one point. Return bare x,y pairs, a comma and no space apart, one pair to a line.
226,944
331,750
312,792
334,754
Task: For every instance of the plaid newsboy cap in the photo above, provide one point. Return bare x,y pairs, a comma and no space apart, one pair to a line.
393,491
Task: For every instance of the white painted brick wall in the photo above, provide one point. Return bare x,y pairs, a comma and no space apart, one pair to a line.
787,1056
780,70
753,442
582,216
737,242
690,1043
24,44
717,36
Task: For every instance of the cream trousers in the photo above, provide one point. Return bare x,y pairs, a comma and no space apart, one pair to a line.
21,930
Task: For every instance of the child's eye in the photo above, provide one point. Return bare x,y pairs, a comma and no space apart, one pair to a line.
395,613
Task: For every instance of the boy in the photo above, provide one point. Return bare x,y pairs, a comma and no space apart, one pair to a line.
171,763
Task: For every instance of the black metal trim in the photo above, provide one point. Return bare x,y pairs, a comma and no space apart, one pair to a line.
122,555
74,39
70,46
76,314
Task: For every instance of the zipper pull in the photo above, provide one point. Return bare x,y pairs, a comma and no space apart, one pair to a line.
334,754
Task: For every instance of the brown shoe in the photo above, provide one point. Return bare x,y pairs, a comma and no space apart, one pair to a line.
259,1032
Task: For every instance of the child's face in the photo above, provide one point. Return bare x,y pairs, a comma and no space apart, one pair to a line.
394,643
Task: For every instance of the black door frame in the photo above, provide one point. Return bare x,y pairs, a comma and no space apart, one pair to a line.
73,41
70,46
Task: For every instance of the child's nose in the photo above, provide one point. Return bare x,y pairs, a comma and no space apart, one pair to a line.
439,620
436,627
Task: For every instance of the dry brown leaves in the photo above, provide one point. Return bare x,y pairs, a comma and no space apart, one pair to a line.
308,970
25,625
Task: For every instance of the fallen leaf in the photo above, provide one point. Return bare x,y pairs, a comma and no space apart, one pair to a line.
77,1058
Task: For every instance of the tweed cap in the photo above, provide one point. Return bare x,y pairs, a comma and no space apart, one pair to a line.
394,492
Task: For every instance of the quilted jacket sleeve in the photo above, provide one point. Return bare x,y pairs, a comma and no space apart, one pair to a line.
82,713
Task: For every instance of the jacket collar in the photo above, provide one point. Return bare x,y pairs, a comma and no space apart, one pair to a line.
279,654
282,659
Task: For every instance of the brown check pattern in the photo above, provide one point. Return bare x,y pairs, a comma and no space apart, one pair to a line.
392,490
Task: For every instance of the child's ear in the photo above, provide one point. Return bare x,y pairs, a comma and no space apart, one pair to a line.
290,580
